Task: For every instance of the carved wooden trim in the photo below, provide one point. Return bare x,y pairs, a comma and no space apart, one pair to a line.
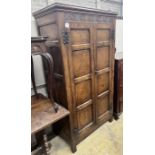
87,18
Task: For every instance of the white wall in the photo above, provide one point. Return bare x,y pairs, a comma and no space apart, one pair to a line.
115,6
39,75
34,32
36,5
112,5
84,3
119,35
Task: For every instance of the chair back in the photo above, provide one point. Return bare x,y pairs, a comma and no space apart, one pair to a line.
48,62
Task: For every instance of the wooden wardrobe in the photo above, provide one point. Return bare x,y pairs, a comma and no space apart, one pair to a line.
81,41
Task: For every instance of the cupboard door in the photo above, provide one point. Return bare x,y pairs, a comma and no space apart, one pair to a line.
103,55
81,66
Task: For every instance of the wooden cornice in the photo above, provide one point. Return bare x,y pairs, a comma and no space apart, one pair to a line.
64,7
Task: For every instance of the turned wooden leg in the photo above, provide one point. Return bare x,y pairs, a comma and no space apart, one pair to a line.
43,143
39,138
38,151
46,145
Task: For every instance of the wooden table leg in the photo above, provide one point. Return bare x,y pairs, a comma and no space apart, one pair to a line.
46,145
43,143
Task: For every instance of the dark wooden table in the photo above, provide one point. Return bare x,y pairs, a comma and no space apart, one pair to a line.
42,116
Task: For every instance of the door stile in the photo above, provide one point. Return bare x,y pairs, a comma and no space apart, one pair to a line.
111,77
93,72
95,77
72,78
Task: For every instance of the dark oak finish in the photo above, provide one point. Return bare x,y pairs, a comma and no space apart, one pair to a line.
38,44
44,110
43,114
118,88
84,63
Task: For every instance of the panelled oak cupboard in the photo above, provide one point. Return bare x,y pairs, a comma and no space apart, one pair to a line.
81,41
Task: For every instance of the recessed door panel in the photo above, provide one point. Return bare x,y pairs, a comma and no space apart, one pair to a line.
103,57
83,92
102,34
81,62
80,36
102,105
85,117
102,83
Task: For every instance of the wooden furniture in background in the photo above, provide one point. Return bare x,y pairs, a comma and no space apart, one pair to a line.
118,88
81,41
38,44
43,116
44,110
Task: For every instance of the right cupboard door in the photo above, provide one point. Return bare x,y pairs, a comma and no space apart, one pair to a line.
103,56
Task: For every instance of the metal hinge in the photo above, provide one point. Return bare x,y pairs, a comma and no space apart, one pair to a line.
65,36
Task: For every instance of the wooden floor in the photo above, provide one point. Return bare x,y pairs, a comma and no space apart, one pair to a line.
107,140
